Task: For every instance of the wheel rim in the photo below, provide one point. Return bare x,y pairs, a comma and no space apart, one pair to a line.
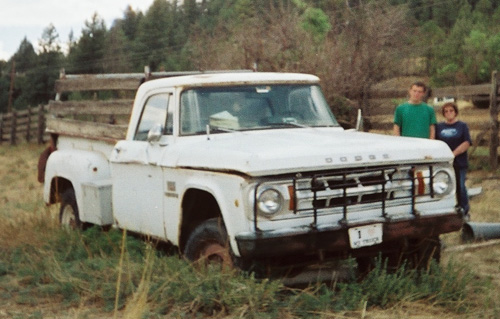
68,218
215,253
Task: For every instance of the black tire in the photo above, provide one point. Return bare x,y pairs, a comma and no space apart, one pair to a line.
413,254
423,251
208,244
68,214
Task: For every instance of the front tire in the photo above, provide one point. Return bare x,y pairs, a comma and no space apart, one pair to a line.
416,253
208,244
423,251
68,214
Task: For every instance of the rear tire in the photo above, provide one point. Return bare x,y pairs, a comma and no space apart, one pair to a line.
68,214
209,244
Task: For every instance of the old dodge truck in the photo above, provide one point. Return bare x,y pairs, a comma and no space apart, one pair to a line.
247,168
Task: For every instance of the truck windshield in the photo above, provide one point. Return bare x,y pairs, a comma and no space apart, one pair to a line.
241,108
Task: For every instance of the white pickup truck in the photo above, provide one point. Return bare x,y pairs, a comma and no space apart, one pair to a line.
253,168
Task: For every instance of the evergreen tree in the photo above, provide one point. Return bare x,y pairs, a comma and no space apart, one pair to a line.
4,86
49,61
445,13
25,56
117,57
476,66
493,51
87,55
153,38
130,23
448,60
430,39
24,60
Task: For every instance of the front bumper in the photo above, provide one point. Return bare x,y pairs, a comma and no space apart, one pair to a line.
335,239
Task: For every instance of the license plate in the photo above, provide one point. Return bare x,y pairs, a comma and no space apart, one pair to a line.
365,235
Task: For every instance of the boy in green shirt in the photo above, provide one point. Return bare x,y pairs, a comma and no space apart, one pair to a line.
415,118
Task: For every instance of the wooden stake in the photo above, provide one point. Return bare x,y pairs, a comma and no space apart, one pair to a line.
494,122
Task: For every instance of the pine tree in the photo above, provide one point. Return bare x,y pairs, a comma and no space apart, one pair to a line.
87,55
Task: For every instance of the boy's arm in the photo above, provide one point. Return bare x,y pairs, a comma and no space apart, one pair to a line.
432,132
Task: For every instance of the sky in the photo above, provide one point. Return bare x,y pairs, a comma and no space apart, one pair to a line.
28,18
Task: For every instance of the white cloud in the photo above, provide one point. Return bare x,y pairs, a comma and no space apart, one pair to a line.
4,55
28,18
69,12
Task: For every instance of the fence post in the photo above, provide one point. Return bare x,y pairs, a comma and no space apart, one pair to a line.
28,125
13,128
41,123
494,121
1,128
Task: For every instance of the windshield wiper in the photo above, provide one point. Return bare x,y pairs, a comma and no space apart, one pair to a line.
216,129
287,124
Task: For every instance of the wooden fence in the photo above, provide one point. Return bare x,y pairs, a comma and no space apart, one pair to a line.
26,125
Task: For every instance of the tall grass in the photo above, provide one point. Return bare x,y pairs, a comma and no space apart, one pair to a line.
77,268
127,277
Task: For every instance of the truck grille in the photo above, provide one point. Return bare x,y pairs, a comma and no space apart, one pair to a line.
349,188
382,191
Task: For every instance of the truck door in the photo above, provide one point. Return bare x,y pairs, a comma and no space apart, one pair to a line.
138,186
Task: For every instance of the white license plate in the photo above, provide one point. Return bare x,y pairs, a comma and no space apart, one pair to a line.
365,235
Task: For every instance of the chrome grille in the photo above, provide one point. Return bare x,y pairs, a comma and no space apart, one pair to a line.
348,188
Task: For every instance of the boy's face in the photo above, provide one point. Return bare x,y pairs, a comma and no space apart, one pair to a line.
416,94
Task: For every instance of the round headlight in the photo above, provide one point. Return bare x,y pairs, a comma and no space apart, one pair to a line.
270,201
442,183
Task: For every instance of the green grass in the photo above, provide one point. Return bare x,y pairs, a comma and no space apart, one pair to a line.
113,272
123,273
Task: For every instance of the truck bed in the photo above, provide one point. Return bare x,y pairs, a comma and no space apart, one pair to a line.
96,120
103,120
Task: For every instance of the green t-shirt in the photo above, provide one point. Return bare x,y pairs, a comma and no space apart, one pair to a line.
415,119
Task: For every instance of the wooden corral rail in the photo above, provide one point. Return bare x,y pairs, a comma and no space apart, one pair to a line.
459,92
90,119
98,119
111,81
28,125
93,119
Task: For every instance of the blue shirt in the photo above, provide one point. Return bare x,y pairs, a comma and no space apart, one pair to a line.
454,135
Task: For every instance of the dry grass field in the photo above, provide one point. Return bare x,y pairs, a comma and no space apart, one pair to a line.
26,222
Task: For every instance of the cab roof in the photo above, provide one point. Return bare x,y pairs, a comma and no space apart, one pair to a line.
230,78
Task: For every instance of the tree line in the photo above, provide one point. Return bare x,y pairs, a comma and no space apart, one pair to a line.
349,44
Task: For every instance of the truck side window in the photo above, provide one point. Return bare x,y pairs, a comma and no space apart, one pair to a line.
153,113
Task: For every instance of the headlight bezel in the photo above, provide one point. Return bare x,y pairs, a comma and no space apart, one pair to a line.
442,183
270,201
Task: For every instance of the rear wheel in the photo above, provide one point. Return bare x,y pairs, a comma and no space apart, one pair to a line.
68,214
208,244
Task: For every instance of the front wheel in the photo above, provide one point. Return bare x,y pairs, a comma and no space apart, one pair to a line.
423,251
208,243
68,214
413,254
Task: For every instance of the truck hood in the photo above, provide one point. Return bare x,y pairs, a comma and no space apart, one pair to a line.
270,152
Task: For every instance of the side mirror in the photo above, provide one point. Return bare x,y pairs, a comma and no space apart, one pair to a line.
155,133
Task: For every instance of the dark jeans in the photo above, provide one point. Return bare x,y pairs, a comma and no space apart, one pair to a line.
462,196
